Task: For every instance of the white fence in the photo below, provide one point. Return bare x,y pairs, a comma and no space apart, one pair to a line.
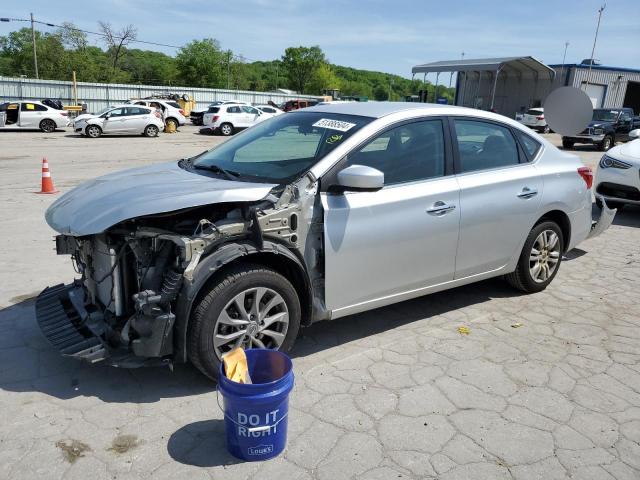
101,95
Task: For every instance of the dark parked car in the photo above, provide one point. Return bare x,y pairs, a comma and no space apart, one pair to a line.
607,126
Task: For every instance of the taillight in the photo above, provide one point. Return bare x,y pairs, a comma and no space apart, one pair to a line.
181,112
587,176
66,114
215,118
541,117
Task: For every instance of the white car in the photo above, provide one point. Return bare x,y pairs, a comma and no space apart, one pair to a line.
171,110
534,119
228,119
32,115
269,110
125,119
618,174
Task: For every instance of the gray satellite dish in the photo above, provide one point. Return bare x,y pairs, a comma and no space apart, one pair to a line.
568,110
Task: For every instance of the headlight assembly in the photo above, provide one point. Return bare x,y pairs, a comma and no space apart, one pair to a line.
610,162
598,131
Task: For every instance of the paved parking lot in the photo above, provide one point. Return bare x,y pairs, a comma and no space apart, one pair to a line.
545,386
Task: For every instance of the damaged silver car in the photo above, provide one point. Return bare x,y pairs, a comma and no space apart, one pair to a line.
312,215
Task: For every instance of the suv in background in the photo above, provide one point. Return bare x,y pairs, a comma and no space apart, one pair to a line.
171,111
196,115
228,119
607,126
534,119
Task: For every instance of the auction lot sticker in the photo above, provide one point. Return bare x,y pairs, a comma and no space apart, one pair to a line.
334,124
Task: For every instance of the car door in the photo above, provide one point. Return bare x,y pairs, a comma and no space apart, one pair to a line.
136,119
114,122
236,116
623,126
253,115
29,115
500,194
381,245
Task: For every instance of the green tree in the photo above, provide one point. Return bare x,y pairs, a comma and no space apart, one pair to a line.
300,64
323,79
200,64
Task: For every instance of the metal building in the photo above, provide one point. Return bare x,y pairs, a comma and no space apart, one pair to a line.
608,87
506,85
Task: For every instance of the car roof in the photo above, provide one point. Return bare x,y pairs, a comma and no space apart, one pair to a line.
381,109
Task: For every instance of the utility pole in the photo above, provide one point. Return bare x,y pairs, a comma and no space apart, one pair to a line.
595,39
564,57
228,68
277,75
390,83
35,53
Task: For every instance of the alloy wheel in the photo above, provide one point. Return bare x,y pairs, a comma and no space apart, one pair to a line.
544,256
254,318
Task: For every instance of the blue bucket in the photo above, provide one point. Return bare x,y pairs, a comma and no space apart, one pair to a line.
255,414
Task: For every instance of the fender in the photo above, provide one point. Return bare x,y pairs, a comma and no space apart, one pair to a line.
209,266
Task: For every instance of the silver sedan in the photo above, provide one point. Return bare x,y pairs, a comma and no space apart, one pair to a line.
316,214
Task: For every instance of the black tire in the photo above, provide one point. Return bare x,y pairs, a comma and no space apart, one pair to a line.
611,204
202,328
226,129
521,278
93,131
606,144
151,131
47,125
172,121
567,144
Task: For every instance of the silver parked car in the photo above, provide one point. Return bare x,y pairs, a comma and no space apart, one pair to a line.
317,214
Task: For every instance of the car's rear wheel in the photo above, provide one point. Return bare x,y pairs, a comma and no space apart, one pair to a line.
93,131
567,144
226,129
606,144
151,131
172,121
47,125
546,129
540,258
250,306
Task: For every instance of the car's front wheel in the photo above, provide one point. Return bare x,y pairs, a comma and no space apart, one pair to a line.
93,131
567,144
540,258
546,129
250,306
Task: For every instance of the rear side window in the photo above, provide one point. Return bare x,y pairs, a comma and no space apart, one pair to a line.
484,145
174,104
406,153
213,110
33,107
530,145
233,109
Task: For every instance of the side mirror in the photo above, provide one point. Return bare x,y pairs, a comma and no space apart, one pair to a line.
634,134
359,178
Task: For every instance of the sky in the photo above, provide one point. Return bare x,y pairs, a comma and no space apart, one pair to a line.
381,35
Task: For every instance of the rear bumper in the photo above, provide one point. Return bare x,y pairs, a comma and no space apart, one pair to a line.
606,219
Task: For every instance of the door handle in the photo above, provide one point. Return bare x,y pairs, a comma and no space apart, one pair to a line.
527,193
440,208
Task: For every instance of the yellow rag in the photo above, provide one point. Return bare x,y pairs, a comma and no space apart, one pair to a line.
235,366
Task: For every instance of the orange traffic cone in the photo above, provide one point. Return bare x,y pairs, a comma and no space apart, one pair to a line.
47,181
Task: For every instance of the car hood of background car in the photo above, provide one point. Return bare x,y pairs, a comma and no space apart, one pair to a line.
96,205
627,151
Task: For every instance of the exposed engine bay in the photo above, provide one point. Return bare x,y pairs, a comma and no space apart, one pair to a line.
139,277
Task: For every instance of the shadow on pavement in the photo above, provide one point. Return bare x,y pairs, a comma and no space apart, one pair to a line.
28,363
201,444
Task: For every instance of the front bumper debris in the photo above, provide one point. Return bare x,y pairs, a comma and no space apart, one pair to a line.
606,219
585,138
64,326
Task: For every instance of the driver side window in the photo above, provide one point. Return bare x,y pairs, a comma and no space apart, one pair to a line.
407,153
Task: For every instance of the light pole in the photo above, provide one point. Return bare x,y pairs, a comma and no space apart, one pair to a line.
595,39
390,83
35,53
564,57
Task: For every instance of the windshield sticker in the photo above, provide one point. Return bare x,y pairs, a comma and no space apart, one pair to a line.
334,138
334,124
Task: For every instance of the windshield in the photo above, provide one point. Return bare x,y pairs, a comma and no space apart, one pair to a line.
280,149
605,115
104,110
